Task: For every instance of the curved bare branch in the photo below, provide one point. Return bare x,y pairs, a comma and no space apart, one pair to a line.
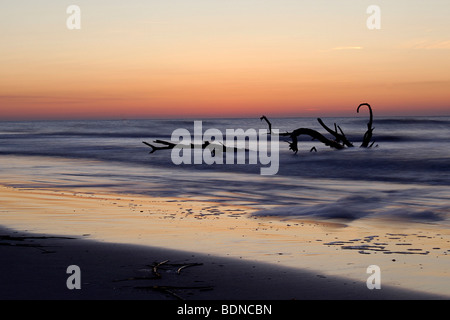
339,137
368,135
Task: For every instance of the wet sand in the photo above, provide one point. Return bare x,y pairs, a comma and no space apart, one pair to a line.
34,266
223,252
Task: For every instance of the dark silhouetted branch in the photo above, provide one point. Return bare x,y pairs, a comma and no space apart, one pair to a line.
268,122
339,137
205,145
169,145
368,135
340,140
312,133
293,145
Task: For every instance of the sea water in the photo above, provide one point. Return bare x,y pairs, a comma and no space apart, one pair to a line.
405,175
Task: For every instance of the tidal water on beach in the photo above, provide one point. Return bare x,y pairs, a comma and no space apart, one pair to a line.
405,175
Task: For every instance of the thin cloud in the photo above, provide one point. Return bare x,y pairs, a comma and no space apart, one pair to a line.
347,48
427,45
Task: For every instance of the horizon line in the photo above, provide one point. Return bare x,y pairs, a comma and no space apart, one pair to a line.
197,117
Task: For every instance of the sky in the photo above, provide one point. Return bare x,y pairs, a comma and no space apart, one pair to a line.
223,58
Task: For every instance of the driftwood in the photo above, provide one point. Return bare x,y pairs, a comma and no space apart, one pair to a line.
340,140
155,268
187,266
167,289
339,137
293,145
170,145
368,135
155,272
167,145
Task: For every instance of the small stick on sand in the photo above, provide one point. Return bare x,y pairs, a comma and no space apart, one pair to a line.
188,265
155,268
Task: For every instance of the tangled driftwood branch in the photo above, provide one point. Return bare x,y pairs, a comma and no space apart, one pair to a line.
340,140
368,135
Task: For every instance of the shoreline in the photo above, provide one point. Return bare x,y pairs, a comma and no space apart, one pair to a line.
36,269
238,252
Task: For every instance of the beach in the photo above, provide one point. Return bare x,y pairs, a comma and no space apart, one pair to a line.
225,151
118,240
333,224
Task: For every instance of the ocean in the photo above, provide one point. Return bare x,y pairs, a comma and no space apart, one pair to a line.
404,176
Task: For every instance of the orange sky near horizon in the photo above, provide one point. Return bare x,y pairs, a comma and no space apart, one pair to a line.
223,58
